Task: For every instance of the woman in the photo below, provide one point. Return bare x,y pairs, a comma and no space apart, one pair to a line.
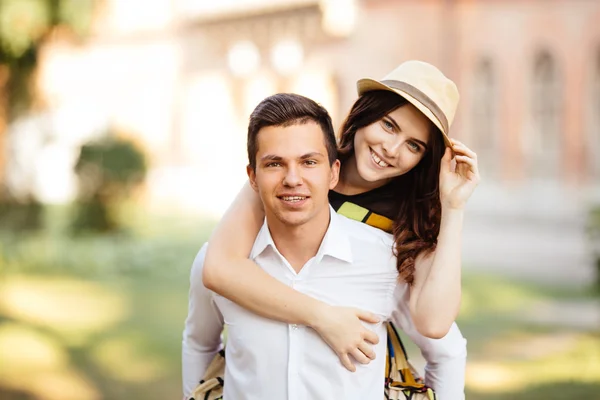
396,168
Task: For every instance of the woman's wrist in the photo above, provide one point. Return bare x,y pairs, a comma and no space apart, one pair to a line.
316,314
452,211
452,218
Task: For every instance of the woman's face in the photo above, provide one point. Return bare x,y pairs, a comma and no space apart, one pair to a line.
393,145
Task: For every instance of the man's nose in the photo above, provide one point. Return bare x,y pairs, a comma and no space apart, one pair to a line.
292,177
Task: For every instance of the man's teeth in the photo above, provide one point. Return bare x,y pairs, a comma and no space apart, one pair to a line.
379,161
293,198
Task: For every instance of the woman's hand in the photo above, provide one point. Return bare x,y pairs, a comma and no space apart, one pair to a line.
341,329
457,186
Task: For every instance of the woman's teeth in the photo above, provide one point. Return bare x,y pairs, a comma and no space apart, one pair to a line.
378,160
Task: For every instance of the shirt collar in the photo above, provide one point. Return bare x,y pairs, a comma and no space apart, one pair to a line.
263,240
336,242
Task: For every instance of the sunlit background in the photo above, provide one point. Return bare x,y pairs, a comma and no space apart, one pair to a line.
122,141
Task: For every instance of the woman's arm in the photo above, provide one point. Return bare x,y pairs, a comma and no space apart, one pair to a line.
229,272
446,357
436,293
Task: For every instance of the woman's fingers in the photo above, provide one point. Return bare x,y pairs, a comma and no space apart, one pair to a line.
370,337
469,164
460,148
367,350
467,160
347,363
446,162
367,316
344,330
360,356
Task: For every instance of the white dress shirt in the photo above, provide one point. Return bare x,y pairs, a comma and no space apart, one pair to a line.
268,359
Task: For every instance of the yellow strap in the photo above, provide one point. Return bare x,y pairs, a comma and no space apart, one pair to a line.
353,211
361,214
380,222
400,358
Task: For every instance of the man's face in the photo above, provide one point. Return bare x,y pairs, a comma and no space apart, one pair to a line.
293,175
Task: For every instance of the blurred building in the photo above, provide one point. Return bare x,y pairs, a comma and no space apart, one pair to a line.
183,75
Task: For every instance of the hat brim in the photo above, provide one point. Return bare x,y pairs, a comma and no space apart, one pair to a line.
367,85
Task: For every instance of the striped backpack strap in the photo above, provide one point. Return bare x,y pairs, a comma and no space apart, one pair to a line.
402,381
361,214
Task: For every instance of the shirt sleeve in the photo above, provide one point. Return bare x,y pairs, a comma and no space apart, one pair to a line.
446,357
203,328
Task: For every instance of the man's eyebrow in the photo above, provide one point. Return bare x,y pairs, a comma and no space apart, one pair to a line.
393,121
270,157
273,157
311,155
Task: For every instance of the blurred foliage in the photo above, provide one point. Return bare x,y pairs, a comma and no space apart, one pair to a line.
108,172
96,316
20,215
24,24
593,230
157,246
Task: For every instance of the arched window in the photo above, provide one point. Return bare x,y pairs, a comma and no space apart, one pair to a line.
544,144
484,134
593,121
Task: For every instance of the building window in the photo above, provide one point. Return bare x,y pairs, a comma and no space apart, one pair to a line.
593,120
484,134
545,136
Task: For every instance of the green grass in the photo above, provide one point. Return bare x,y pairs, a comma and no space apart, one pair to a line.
100,317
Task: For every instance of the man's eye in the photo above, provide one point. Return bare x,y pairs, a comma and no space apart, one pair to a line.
273,164
310,162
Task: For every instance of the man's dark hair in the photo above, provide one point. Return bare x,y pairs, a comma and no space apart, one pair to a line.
286,109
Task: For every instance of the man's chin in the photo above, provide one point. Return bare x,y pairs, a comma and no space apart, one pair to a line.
293,218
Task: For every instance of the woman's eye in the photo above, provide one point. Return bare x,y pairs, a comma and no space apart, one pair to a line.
414,147
388,125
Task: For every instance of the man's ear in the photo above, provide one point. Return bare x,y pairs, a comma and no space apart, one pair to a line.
252,177
335,174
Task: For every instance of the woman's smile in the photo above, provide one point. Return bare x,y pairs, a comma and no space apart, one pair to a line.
378,160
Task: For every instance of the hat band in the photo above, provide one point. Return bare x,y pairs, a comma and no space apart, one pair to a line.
422,98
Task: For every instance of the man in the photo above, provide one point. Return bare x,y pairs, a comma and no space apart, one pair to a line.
306,245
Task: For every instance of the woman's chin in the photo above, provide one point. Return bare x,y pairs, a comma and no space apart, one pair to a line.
371,175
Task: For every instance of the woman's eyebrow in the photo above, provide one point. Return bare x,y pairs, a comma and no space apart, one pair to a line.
422,143
393,121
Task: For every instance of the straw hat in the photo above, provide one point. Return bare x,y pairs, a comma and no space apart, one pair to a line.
425,87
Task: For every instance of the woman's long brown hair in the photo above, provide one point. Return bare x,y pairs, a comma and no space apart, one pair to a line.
417,224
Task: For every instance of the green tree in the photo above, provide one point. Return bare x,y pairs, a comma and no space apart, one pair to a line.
24,25
108,172
593,230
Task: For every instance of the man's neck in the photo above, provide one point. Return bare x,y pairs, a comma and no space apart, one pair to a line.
298,244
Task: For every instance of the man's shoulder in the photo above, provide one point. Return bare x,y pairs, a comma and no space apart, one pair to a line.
361,232
198,266
368,244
